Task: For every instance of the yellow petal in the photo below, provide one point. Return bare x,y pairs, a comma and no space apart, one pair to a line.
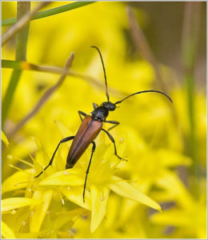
9,204
40,211
125,189
28,235
193,218
70,177
99,199
17,181
6,232
175,189
74,194
64,130
4,138
170,158
64,217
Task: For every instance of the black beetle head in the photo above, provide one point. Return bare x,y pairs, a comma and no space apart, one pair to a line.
110,106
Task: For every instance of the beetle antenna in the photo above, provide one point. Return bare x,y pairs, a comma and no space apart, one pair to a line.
146,91
106,86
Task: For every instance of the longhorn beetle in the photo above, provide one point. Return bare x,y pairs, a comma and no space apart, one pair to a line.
90,128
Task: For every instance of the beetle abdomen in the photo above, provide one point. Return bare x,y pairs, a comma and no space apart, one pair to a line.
87,132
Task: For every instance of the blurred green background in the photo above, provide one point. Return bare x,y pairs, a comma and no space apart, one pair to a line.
145,45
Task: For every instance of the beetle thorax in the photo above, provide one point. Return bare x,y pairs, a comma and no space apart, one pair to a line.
100,113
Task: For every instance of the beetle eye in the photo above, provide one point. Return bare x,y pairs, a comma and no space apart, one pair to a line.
112,107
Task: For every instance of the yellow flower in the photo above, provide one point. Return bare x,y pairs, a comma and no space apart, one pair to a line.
4,138
101,180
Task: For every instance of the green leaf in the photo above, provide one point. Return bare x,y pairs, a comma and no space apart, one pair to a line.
127,190
9,204
50,12
18,65
10,92
99,202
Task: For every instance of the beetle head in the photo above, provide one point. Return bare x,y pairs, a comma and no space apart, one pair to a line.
109,105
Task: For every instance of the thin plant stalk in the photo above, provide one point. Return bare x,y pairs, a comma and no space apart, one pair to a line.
22,19
143,47
50,12
23,65
189,55
43,99
21,46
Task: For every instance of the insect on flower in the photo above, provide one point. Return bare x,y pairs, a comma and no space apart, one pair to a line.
90,128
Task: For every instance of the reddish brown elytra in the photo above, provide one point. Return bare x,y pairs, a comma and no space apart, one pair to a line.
90,128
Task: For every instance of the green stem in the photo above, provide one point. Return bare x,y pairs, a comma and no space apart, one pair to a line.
21,48
189,47
22,37
50,12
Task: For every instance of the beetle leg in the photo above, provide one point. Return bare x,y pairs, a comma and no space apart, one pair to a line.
81,114
113,141
88,168
112,122
51,161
